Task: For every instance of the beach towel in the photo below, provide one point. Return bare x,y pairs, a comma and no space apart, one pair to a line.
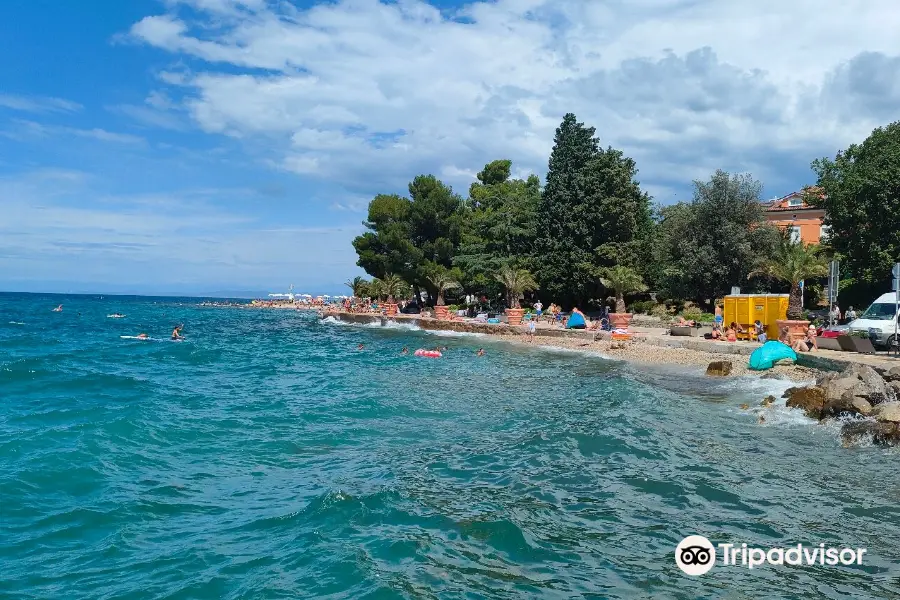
766,355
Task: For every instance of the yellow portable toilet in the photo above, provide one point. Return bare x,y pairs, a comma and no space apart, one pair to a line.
745,309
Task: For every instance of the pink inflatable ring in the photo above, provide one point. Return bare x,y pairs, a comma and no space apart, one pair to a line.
427,353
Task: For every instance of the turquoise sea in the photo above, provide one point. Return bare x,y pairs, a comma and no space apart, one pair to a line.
266,457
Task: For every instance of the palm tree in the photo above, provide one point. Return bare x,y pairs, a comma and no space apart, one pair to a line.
376,288
393,285
442,281
516,282
622,280
358,285
792,263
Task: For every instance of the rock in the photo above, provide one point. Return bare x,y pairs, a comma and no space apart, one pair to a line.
869,377
861,405
836,388
893,374
875,399
855,382
719,368
886,433
847,404
888,412
810,399
894,386
826,379
767,401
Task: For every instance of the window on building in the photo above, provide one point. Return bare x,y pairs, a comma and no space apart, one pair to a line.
825,231
795,233
795,201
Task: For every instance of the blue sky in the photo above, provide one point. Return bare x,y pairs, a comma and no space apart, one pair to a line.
202,145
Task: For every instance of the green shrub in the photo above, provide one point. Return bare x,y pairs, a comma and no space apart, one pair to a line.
643,307
661,311
692,313
707,318
454,307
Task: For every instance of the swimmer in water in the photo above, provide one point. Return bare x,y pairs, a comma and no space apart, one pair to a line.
405,351
360,347
480,352
143,336
176,333
58,308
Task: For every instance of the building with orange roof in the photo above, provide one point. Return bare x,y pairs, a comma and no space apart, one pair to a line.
794,214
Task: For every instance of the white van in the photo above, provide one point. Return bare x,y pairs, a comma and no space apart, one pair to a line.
879,320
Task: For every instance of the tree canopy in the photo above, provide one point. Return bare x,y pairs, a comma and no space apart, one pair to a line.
591,226
704,247
860,192
593,214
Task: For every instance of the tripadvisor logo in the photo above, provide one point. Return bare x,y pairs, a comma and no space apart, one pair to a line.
696,555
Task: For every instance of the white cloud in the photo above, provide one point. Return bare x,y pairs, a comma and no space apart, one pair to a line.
367,94
38,104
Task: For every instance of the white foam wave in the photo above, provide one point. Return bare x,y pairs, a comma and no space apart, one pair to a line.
757,387
450,333
391,324
579,351
16,323
778,414
386,324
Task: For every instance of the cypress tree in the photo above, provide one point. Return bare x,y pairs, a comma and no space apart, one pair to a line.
593,215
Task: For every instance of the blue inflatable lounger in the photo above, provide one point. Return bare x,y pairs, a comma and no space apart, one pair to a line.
769,353
575,321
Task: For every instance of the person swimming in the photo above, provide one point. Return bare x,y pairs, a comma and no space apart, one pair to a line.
360,347
58,308
405,351
176,333
480,352
143,336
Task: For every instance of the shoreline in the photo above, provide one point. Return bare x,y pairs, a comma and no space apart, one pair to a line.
638,351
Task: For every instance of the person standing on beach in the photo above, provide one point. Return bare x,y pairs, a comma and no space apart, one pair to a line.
538,308
530,330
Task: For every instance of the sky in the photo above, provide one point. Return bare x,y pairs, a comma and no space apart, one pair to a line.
191,146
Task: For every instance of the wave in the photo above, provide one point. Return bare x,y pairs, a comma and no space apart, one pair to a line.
382,324
758,387
16,323
451,333
578,351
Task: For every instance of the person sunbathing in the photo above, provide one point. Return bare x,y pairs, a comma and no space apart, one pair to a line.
717,332
731,333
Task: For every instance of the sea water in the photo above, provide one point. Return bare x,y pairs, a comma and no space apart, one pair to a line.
266,457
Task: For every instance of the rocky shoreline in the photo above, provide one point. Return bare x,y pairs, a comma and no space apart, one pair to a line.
866,401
